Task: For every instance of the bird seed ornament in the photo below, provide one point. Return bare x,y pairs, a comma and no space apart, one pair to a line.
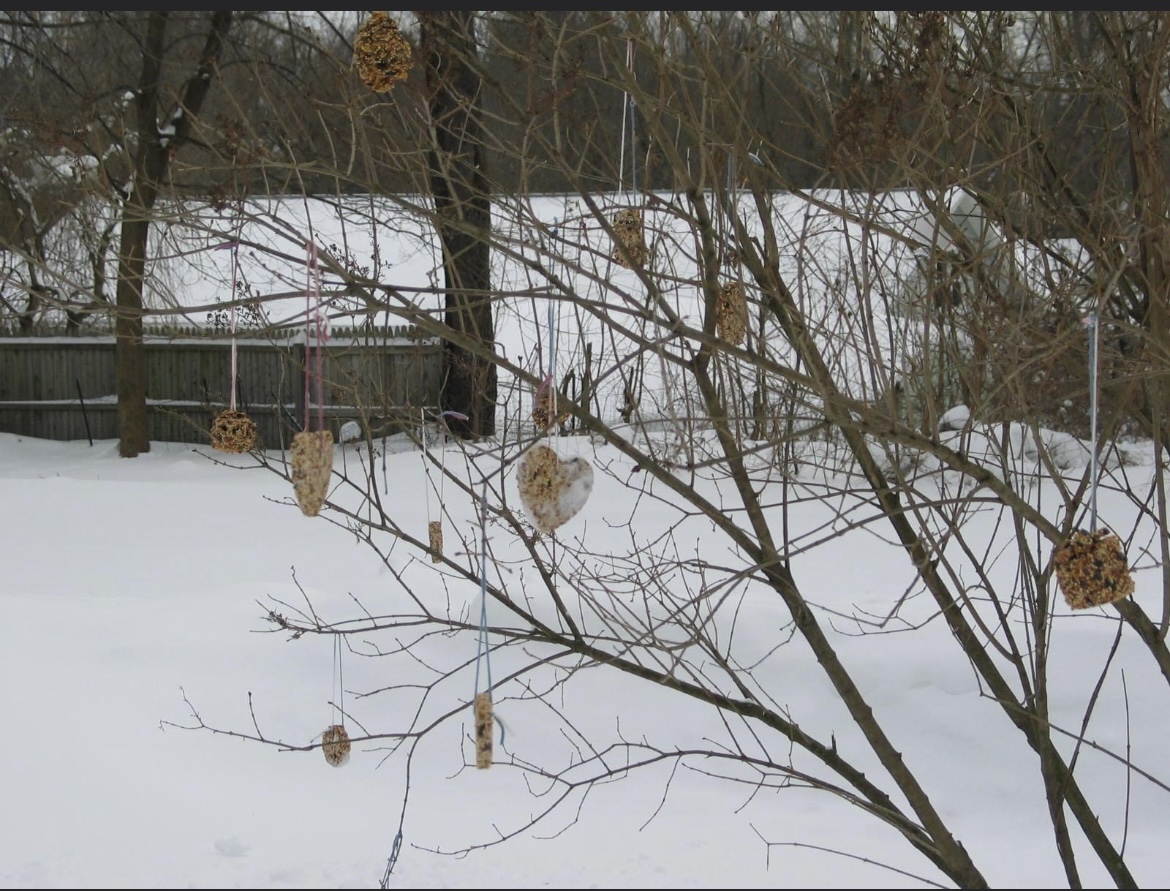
731,314
1092,570
435,532
631,250
312,466
543,414
335,745
552,490
381,55
233,431
483,730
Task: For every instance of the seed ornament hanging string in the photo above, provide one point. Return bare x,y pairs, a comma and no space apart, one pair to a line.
335,740
550,378
552,490
628,109
483,699
434,527
630,251
547,413
731,316
233,431
1094,324
312,451
1091,566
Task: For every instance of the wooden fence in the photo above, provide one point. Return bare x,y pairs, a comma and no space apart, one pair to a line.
63,387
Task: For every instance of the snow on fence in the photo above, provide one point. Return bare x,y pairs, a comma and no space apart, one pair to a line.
63,387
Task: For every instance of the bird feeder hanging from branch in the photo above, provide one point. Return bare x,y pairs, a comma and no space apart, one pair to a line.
335,745
232,430
381,55
630,249
731,315
552,490
1092,570
312,450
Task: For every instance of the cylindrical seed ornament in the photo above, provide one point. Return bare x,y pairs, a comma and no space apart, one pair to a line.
483,730
435,531
1092,570
381,55
312,466
335,745
233,431
630,251
731,314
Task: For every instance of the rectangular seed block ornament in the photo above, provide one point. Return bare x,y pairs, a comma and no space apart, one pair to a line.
483,730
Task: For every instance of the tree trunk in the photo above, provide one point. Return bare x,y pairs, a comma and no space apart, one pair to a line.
129,352
151,162
463,218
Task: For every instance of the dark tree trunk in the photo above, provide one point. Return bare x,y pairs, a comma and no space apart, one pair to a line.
129,352
151,161
463,219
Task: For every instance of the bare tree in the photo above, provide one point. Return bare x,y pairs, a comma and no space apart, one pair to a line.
60,143
907,348
459,186
162,128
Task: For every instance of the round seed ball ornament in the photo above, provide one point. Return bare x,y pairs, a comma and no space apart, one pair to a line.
1092,570
551,490
312,465
233,431
381,55
630,251
335,745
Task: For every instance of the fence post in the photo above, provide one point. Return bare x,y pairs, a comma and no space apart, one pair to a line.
84,413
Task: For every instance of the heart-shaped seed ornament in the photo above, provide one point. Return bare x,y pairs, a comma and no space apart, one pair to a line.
552,490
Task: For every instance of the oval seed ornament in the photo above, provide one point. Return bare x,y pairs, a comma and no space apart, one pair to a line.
630,250
553,491
335,744
381,55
